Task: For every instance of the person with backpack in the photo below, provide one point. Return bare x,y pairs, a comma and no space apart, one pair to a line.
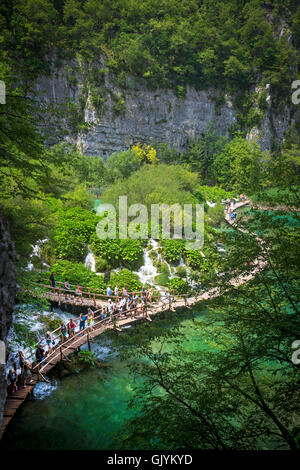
63,331
13,378
40,354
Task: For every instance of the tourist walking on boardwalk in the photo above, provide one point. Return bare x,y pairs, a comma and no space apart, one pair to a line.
12,377
40,354
63,331
135,299
123,304
125,292
82,320
52,282
130,302
144,291
48,338
110,307
117,293
79,290
27,373
144,305
90,318
109,292
150,294
71,327
103,312
66,286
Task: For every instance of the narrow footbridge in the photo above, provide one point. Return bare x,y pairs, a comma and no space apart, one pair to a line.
62,349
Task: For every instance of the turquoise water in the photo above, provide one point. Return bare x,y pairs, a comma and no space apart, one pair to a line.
82,413
86,409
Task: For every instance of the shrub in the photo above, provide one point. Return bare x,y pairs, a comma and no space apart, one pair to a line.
77,273
178,286
181,272
162,280
164,269
216,214
128,253
73,232
131,253
173,250
127,278
194,259
101,265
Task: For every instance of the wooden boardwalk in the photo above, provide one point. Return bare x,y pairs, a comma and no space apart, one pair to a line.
62,350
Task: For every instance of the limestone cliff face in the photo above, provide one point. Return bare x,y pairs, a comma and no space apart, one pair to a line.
147,115
158,115
7,297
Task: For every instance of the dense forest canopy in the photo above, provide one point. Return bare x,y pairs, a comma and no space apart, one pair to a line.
234,43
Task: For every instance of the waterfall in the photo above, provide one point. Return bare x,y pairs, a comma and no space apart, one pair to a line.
148,271
36,252
181,262
90,261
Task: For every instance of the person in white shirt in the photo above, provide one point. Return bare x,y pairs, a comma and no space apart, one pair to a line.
110,307
123,304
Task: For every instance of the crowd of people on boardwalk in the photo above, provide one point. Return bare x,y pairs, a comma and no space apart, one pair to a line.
230,205
19,374
120,304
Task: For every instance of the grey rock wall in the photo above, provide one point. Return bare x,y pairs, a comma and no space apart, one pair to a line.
148,115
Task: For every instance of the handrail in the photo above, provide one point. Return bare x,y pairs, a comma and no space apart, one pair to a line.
90,294
95,290
58,350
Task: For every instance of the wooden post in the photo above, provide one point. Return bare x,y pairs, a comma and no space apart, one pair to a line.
89,292
59,295
61,355
94,300
88,340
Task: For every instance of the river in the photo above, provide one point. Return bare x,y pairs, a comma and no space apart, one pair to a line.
84,410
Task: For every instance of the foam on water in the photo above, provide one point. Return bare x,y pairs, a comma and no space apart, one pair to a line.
43,390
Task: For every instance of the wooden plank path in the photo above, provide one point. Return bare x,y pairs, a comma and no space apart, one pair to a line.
114,322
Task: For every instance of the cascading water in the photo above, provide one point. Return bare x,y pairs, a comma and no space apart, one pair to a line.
90,261
36,252
211,204
148,271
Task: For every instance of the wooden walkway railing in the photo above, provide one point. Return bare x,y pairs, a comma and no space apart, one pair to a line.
62,350
86,298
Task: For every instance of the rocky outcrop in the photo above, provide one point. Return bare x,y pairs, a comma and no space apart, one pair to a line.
136,114
7,296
